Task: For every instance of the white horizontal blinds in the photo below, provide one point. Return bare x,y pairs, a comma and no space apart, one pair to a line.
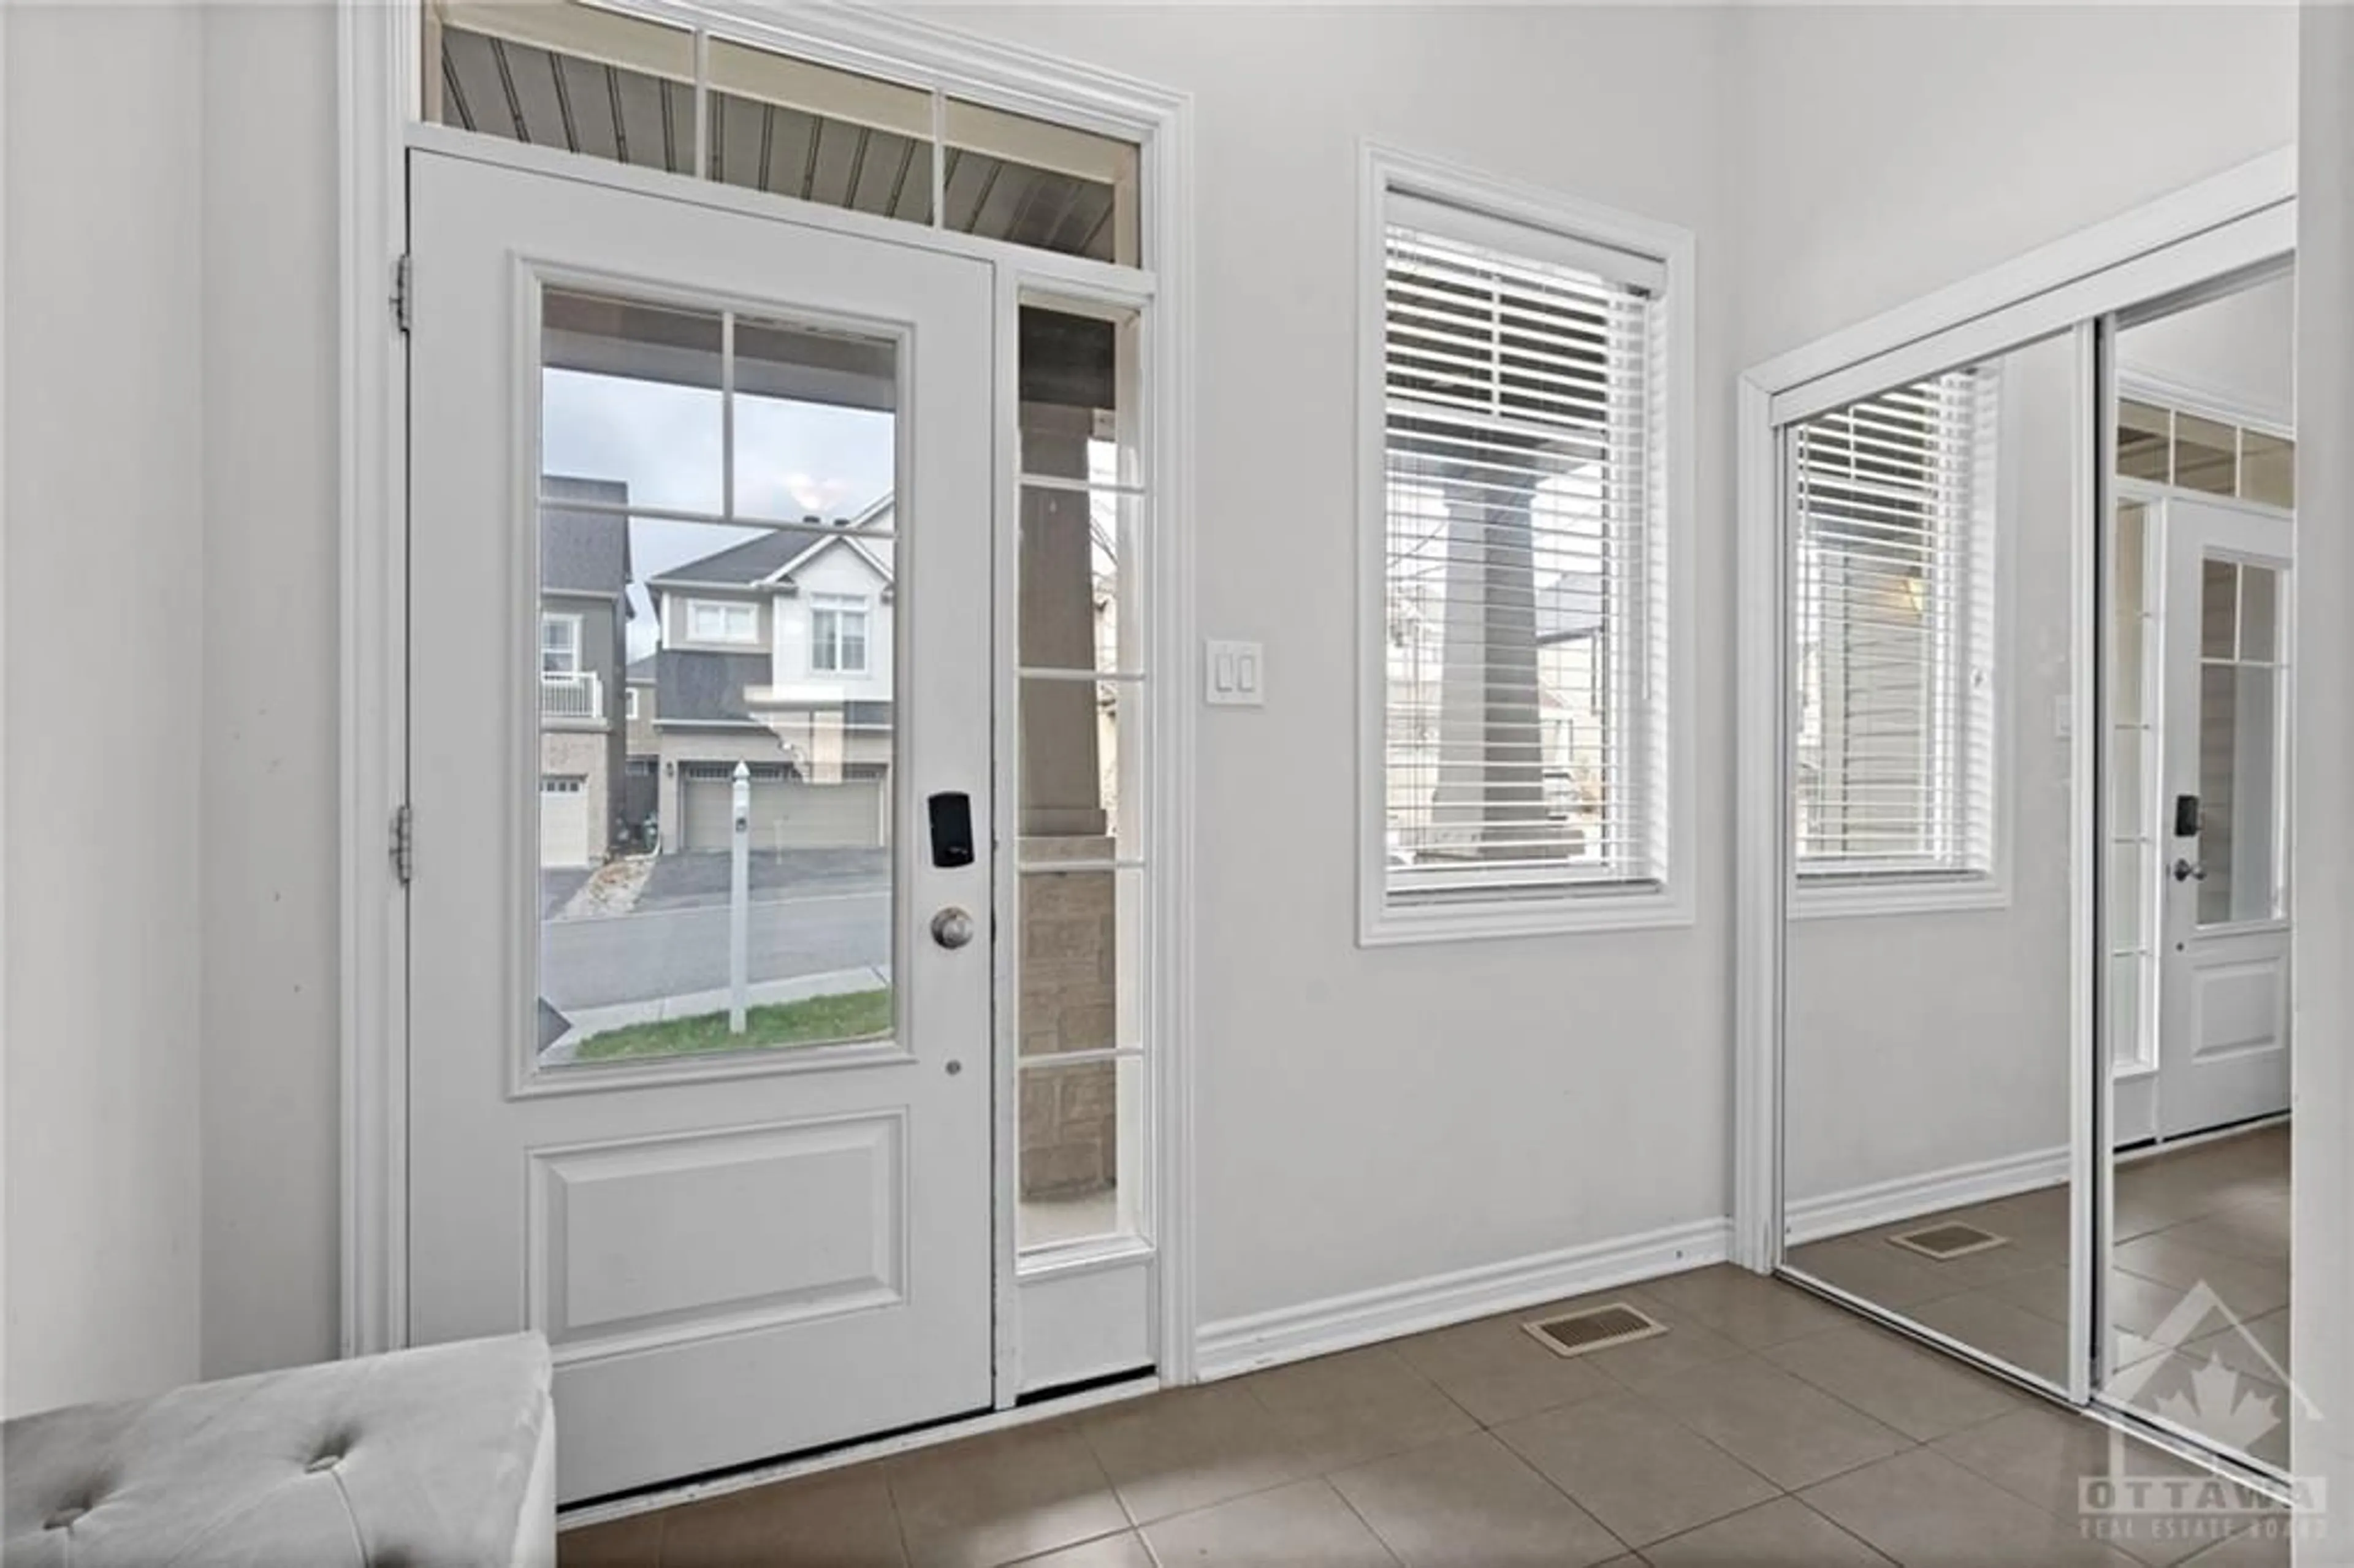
1522,392
1891,589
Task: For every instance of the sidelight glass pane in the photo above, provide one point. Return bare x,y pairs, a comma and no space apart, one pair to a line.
1078,567
2219,609
2130,610
578,79
2128,982
1078,403
2267,469
2206,455
760,751
1079,1152
1075,803
795,128
1079,936
2259,614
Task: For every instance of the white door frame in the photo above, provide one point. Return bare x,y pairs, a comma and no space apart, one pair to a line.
379,50
2230,223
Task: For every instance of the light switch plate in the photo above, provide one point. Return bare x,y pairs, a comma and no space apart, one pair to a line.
1233,674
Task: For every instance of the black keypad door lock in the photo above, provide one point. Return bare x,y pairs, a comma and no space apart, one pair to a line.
951,812
2185,816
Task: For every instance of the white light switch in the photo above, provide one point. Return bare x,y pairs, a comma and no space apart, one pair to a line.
1233,674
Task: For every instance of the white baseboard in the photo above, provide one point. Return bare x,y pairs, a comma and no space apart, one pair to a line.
1343,1323
1886,1203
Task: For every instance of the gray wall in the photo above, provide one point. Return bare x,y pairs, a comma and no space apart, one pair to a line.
271,1184
109,754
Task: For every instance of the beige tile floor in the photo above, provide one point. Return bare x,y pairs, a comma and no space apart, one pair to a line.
2214,1214
1765,1428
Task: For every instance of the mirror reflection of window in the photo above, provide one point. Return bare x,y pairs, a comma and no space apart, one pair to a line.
1891,606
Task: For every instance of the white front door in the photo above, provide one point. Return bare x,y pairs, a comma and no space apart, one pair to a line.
741,1238
2222,834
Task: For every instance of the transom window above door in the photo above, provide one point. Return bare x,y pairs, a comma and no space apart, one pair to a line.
637,87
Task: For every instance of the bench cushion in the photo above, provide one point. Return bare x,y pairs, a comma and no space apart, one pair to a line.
429,1457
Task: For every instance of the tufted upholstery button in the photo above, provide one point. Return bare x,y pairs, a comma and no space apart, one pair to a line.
64,1518
323,1462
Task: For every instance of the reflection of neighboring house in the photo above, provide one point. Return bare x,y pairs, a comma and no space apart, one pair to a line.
776,654
584,609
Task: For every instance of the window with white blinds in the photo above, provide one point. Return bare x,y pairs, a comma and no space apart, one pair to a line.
1523,753
1893,609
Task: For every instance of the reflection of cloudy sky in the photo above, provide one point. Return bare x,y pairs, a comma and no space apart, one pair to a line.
792,460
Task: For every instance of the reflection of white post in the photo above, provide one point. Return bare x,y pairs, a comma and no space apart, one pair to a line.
739,866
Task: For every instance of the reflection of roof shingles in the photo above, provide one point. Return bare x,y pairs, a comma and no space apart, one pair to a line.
768,553
745,563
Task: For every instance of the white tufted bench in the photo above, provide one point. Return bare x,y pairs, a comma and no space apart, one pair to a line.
418,1459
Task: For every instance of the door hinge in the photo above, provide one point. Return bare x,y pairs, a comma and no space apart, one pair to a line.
400,293
404,843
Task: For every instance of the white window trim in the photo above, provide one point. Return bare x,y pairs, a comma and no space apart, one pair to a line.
839,605
629,703
1868,895
1384,172
728,608
548,617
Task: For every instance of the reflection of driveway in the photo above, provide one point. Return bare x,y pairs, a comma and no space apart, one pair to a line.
690,880
557,884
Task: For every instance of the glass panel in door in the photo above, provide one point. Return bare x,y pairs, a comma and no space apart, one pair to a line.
717,693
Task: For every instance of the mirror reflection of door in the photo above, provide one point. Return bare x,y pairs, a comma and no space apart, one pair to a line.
2202,580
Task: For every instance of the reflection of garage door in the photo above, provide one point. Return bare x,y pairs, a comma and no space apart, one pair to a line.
563,820
787,813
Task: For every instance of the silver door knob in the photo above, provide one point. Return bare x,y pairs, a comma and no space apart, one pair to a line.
2186,871
952,927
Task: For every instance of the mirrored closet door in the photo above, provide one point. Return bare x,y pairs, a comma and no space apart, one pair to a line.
1928,1012
2024,1077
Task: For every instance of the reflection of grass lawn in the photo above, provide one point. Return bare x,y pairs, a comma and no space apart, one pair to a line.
852,1015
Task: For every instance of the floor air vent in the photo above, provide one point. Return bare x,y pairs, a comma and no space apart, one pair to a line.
1595,1328
1952,1240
